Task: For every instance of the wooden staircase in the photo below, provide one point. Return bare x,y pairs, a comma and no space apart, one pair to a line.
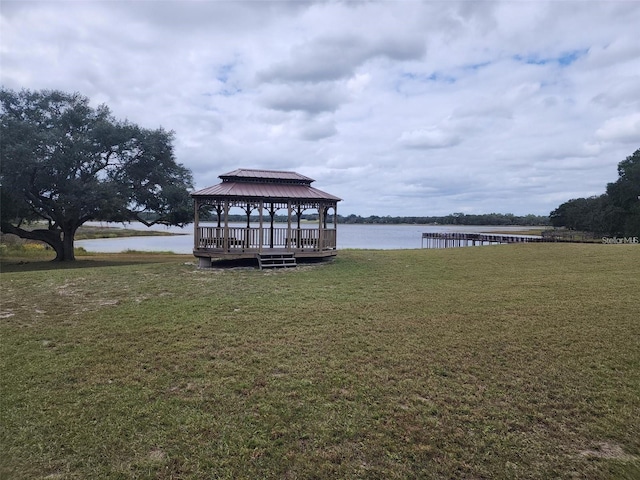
276,260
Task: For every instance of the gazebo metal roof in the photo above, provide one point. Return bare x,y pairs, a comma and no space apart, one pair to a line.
265,175
265,184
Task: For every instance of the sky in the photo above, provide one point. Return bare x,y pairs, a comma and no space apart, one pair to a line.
400,108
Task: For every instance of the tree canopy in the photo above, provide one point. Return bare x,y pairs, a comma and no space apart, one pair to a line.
625,195
65,163
616,212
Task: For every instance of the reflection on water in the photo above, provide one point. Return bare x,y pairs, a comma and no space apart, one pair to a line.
377,237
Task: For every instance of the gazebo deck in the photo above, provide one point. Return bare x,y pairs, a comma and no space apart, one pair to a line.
239,253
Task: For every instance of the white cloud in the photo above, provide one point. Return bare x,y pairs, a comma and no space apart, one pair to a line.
625,128
337,57
429,138
318,130
358,82
421,108
313,99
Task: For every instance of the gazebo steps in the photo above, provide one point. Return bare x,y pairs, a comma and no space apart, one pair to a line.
276,260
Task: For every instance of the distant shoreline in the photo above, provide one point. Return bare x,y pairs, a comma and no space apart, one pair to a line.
92,232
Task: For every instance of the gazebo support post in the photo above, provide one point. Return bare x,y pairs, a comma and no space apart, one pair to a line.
247,232
298,231
335,225
225,237
272,212
196,224
320,230
288,242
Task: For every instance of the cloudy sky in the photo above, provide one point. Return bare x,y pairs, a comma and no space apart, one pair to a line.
399,108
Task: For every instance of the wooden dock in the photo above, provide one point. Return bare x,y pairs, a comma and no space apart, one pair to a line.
458,239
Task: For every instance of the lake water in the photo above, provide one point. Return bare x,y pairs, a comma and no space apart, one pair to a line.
377,237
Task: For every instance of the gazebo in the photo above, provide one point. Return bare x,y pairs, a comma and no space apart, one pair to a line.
260,194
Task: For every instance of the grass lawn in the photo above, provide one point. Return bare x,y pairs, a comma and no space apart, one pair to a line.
511,361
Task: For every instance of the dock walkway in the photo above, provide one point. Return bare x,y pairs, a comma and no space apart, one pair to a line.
458,239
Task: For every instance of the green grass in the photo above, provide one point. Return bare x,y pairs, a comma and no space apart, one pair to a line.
513,361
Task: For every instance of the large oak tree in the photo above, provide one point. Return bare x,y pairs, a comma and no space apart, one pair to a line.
64,163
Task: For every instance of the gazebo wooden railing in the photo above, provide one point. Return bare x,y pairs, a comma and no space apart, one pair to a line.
231,239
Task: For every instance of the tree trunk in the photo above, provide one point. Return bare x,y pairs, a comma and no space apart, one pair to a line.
68,255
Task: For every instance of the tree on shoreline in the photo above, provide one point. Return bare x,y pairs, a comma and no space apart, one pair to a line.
65,163
616,212
625,195
507,219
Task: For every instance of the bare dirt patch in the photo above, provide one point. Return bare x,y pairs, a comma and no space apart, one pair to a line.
609,451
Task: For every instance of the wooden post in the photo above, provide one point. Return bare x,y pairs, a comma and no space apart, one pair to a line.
225,240
196,222
288,239
272,212
320,230
247,232
299,241
261,233
335,225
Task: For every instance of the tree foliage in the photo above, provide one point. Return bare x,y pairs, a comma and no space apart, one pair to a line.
616,212
65,163
451,219
593,214
625,195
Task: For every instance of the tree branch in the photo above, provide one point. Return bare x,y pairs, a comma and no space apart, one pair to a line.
47,236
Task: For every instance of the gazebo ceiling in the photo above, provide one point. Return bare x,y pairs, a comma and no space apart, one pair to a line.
265,184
